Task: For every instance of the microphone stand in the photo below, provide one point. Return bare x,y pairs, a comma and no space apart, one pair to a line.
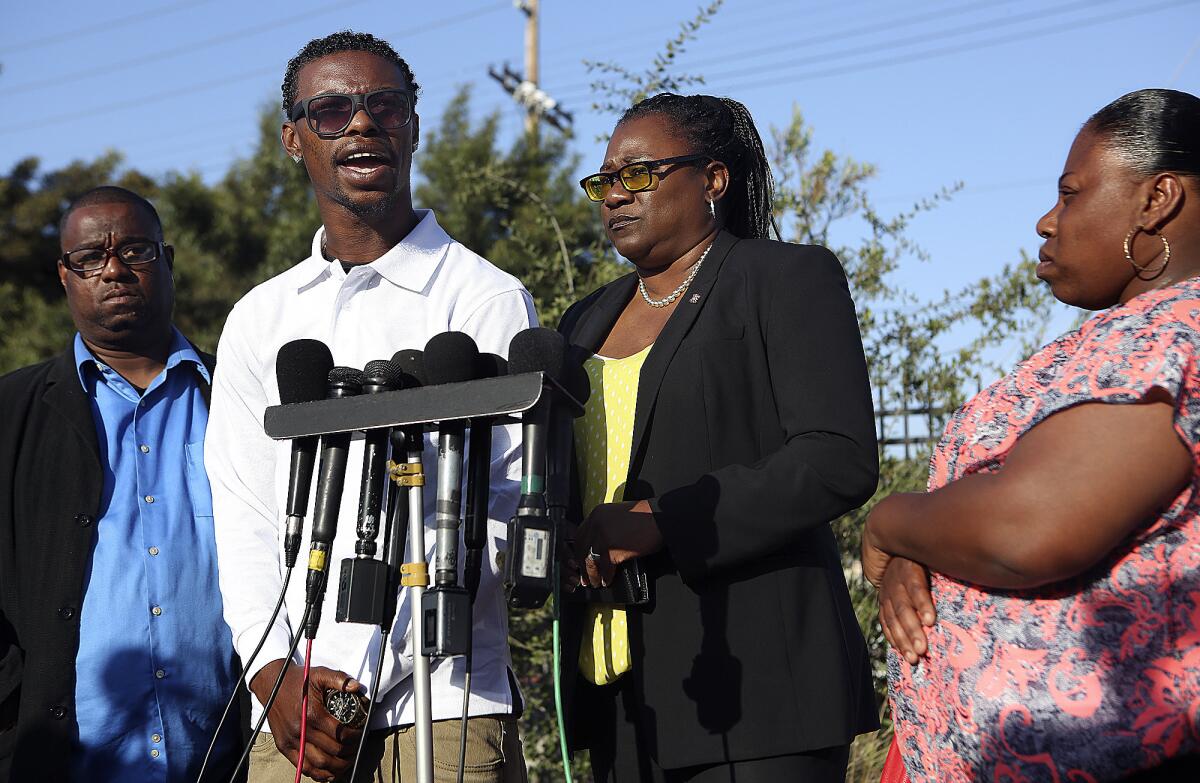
415,576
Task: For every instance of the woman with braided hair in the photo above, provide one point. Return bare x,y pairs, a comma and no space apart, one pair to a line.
729,421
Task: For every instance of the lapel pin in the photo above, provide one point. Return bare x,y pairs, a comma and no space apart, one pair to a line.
695,298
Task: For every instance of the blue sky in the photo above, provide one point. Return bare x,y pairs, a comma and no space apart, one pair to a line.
989,94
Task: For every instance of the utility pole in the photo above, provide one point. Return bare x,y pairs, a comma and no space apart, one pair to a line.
524,89
530,9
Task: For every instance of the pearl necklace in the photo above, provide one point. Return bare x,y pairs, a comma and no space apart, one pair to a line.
671,297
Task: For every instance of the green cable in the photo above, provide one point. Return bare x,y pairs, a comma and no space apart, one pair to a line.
558,708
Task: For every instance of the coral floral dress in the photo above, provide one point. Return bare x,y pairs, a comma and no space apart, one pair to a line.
1090,679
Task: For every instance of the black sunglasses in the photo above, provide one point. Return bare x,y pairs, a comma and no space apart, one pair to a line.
634,177
330,114
91,259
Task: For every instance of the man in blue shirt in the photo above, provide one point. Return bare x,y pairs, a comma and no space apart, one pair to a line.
115,661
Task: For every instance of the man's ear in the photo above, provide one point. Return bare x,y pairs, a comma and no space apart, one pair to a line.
169,252
416,131
62,273
291,144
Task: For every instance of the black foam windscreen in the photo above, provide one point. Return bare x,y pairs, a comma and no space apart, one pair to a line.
346,378
537,350
383,372
489,365
450,357
411,364
302,370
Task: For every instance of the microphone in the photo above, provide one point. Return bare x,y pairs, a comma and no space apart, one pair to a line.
532,539
379,376
479,478
301,370
363,580
450,357
343,382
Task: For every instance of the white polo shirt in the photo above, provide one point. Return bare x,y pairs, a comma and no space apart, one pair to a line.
426,284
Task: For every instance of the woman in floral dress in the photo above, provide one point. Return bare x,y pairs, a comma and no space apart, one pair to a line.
1043,596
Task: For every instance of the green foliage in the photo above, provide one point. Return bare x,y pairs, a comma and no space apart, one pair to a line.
521,209
619,87
257,221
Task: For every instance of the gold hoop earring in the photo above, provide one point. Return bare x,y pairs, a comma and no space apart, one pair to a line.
1140,269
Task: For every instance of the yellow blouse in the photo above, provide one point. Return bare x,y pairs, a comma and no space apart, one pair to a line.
603,438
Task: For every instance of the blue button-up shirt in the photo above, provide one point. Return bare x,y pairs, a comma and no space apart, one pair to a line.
155,662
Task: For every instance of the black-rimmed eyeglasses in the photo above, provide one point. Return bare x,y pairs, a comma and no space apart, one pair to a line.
634,177
330,114
90,259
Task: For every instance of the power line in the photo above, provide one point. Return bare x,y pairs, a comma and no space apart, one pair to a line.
837,35
179,51
189,90
897,43
969,46
93,29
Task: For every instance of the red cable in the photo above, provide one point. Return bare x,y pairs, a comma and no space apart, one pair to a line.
303,712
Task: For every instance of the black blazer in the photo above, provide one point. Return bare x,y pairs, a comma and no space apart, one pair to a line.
50,486
753,429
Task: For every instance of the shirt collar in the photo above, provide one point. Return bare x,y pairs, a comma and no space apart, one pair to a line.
181,351
410,263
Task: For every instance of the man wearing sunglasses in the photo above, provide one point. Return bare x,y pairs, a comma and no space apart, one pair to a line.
115,661
382,276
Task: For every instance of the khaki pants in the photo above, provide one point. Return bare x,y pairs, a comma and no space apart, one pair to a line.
493,755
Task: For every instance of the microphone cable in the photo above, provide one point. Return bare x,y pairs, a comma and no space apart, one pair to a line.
556,644
304,712
394,545
241,679
362,740
287,662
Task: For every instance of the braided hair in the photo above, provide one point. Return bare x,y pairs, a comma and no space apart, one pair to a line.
723,129
341,41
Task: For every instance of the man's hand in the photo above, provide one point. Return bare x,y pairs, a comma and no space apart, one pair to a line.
329,746
615,532
906,607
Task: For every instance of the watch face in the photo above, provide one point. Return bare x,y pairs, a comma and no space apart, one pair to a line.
348,708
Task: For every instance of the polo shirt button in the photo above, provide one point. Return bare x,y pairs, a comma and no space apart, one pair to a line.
149,498
153,550
83,520
145,449
154,752
160,674
156,737
58,713
67,612
156,610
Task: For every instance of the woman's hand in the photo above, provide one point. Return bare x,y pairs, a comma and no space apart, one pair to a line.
906,607
874,559
614,533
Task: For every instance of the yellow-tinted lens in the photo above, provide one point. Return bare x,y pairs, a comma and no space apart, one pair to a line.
636,176
596,187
